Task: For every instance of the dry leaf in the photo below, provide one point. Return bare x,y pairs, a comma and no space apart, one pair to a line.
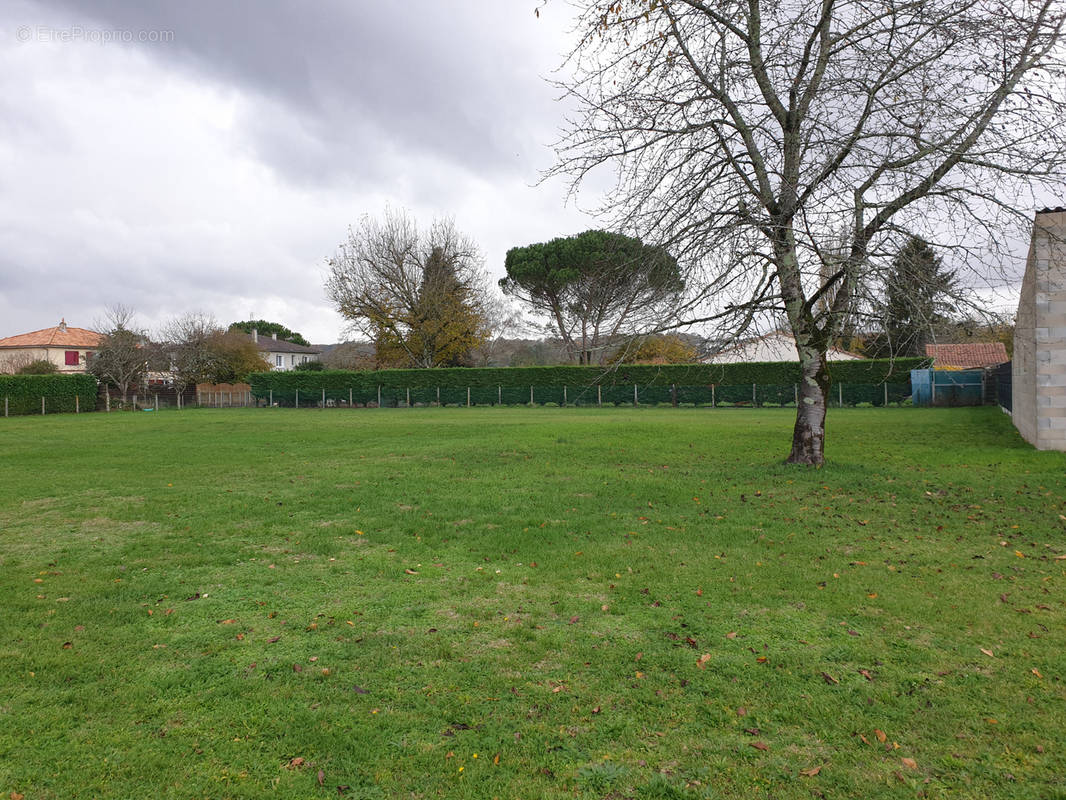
760,745
829,678
731,635
1036,672
987,652
574,619
410,572
864,739
226,621
880,735
702,660
742,712
321,778
909,763
496,759
810,773
296,762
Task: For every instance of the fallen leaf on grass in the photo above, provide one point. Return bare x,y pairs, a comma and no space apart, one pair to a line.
297,668
321,778
731,635
881,736
17,796
1036,672
702,660
866,674
275,639
410,572
742,712
829,678
760,745
359,690
296,763
810,773
909,763
988,653
574,619
226,621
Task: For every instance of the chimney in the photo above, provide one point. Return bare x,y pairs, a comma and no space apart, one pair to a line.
63,325
255,335
274,336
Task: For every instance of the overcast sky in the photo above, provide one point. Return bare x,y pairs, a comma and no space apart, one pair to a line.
214,160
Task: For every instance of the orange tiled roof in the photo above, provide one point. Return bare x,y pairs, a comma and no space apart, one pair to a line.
973,355
62,335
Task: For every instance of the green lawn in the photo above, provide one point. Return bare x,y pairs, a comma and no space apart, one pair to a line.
524,603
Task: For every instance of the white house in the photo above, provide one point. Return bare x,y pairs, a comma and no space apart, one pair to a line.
282,355
68,348
774,346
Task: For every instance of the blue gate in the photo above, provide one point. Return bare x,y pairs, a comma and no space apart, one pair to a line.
936,387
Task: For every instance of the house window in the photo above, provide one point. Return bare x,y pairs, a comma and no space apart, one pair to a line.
278,361
71,358
303,359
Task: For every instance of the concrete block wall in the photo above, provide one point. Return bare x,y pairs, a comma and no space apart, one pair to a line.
1039,365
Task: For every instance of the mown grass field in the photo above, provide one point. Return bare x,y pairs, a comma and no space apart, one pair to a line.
523,603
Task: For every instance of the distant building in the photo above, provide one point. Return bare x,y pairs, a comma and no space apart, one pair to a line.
70,349
280,354
774,346
974,355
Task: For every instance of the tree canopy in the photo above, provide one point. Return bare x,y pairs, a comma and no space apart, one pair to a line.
266,328
594,287
419,295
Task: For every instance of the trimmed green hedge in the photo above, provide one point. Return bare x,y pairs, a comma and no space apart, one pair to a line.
310,384
24,392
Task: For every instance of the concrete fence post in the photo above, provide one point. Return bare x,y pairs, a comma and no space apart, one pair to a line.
107,401
77,404
564,395
42,406
754,401
531,395
323,399
271,398
599,396
886,396
438,397
297,398
5,405
468,397
796,393
408,396
635,402
713,404
349,397
840,395
156,401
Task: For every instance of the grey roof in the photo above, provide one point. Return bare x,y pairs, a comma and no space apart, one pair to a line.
267,344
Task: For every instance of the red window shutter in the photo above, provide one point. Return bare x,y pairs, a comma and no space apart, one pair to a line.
71,358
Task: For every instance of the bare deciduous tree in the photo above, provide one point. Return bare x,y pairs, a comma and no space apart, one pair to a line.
746,134
122,356
188,349
418,295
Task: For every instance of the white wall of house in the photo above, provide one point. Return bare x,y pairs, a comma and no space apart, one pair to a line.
283,362
70,360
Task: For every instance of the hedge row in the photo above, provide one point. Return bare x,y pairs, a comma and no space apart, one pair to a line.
783,372
23,393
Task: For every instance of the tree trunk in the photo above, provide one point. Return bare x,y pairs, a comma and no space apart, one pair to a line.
808,437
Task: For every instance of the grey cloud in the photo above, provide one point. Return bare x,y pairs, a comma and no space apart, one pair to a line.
362,78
